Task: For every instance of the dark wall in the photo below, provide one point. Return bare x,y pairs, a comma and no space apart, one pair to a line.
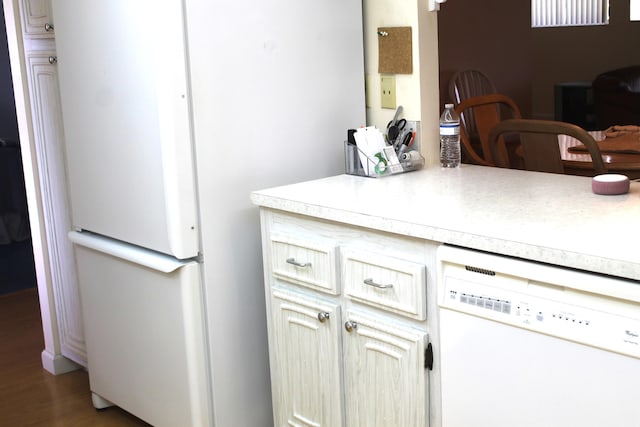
581,53
493,36
8,120
496,37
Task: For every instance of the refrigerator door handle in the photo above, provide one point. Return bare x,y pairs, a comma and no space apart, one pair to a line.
135,254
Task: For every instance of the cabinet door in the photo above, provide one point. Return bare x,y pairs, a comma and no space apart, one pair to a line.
36,18
385,375
305,360
49,140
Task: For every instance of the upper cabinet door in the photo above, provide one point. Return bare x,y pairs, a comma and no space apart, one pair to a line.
125,105
37,21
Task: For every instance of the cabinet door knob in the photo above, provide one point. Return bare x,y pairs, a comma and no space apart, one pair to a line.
350,325
370,282
53,59
48,27
297,263
323,316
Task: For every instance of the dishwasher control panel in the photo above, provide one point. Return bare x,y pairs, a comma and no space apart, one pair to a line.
572,314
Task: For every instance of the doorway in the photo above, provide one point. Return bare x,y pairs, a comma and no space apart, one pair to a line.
17,270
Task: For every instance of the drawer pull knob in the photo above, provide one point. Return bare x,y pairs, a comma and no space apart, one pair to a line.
370,282
323,316
350,325
298,264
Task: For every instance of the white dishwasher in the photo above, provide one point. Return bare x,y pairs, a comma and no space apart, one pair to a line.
529,344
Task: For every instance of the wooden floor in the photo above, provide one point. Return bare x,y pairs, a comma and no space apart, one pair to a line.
31,396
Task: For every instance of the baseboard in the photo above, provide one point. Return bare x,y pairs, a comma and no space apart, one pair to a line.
57,364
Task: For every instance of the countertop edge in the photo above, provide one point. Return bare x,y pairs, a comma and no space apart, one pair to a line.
513,248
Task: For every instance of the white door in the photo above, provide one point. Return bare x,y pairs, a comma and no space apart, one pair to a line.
145,331
306,358
385,374
125,104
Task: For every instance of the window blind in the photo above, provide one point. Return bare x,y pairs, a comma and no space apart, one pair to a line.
634,10
565,13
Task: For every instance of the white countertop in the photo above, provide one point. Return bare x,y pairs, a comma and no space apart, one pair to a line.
543,217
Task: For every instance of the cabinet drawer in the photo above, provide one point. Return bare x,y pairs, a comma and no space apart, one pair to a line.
305,262
390,283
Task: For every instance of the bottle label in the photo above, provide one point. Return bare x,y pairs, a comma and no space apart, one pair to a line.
450,129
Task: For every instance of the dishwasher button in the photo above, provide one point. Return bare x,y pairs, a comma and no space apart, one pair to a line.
539,316
506,308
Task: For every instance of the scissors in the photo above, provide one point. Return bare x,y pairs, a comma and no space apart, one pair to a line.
394,129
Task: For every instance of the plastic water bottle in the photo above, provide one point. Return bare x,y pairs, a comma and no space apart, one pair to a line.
449,138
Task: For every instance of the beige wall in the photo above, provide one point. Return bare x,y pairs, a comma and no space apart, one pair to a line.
416,92
496,37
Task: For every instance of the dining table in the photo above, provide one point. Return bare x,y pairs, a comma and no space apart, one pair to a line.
579,163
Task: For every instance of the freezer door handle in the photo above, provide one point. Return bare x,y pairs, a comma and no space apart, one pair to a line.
137,255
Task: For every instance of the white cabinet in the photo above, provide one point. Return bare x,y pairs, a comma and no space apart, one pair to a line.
36,18
348,331
385,384
306,346
48,137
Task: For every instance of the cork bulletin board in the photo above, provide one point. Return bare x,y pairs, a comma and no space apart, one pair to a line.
394,50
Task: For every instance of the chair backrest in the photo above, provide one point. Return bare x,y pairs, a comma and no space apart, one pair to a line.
539,142
468,83
487,111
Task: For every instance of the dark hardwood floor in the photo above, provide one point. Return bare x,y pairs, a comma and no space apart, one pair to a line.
31,396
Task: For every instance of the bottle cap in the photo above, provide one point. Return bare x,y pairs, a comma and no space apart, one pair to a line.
448,105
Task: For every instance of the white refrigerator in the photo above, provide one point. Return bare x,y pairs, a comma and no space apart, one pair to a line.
174,111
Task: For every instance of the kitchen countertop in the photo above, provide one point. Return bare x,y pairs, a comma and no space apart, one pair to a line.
542,217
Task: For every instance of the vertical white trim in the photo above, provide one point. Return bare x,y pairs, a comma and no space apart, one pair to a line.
51,354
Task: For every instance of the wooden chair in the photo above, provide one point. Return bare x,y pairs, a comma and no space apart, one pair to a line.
469,83
466,84
539,142
487,111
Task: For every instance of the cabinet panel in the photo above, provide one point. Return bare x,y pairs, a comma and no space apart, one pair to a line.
36,18
386,282
49,139
305,262
305,356
385,376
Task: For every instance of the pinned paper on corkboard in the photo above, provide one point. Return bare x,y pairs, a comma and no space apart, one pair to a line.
395,50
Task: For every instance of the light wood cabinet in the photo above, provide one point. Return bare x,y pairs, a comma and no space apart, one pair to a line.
37,20
306,346
385,384
348,332
40,62
48,137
